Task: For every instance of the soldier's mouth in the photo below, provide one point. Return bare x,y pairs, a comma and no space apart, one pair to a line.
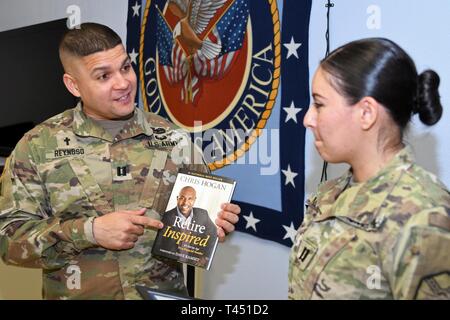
124,99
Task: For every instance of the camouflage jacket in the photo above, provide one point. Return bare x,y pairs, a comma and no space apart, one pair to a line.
386,238
68,170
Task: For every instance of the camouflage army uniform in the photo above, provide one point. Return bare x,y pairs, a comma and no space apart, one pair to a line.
67,171
387,238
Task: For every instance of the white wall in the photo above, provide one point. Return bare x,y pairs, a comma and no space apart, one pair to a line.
246,267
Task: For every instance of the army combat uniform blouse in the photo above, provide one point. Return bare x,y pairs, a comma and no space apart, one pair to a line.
386,238
69,170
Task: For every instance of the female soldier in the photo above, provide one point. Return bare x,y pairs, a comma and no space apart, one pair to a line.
382,230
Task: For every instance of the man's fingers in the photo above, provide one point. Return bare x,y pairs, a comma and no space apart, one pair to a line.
230,207
135,212
126,245
146,222
220,234
133,237
229,216
137,218
225,225
226,219
136,229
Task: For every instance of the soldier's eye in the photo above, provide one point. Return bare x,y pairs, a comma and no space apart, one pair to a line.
317,104
103,76
127,67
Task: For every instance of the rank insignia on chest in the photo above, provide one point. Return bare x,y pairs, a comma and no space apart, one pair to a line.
306,253
122,173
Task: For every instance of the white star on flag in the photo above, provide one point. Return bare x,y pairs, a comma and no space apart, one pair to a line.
292,48
292,112
133,56
290,232
136,8
290,175
251,221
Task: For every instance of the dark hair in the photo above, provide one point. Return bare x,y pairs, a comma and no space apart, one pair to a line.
88,39
379,68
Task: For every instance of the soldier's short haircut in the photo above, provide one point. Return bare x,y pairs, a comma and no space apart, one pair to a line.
88,39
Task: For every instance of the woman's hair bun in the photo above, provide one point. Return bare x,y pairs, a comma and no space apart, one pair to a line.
428,104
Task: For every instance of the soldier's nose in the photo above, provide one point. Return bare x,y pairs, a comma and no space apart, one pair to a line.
121,83
310,119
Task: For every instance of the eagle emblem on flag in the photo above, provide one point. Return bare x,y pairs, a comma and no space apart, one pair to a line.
203,42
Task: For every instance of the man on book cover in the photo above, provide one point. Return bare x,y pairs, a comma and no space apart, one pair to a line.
187,215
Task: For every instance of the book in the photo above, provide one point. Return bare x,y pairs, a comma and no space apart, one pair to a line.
189,234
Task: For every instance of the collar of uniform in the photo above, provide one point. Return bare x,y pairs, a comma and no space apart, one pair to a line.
327,194
136,126
361,203
85,127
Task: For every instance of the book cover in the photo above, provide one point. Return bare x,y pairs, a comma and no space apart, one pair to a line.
189,234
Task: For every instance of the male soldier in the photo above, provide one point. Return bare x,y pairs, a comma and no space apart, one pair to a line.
82,192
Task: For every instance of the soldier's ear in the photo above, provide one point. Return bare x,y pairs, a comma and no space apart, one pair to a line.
368,111
71,85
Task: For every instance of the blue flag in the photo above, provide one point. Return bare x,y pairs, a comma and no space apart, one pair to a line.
240,68
164,40
231,27
133,35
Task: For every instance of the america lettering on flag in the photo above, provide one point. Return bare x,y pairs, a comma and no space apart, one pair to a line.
203,44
